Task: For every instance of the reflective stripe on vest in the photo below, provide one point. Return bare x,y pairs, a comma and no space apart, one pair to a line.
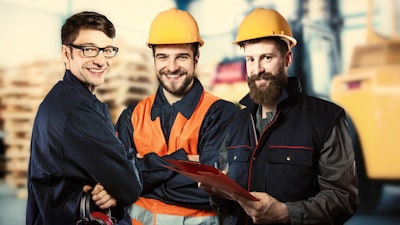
171,214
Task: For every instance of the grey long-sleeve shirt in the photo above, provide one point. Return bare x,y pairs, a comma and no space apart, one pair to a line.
334,156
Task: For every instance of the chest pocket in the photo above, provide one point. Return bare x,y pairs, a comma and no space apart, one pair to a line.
290,174
291,155
239,162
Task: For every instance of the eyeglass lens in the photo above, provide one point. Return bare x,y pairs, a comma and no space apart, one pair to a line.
94,51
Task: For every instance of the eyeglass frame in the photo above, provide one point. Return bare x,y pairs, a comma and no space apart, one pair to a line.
82,47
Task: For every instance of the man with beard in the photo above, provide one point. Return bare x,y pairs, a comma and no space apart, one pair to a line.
293,152
180,121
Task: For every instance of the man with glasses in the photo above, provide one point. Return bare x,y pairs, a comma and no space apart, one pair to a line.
93,51
74,147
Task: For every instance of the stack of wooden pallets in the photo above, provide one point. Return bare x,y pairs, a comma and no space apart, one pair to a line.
130,79
2,149
22,91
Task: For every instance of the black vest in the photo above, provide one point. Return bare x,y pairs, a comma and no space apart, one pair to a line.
284,163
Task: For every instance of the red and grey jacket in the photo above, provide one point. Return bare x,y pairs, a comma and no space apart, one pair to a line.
283,158
285,154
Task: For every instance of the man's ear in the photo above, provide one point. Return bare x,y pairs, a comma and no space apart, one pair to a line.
289,58
66,55
64,51
196,58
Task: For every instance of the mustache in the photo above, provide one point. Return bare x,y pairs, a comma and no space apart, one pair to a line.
264,75
176,72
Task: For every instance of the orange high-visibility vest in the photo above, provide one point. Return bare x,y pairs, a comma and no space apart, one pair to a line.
148,137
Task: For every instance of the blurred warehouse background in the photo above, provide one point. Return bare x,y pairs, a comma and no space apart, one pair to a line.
347,52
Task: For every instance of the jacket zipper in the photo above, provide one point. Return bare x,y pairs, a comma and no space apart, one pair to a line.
257,141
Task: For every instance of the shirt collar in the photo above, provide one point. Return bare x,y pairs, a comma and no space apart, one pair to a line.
185,106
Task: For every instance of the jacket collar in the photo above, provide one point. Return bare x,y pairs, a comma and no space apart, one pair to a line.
185,106
292,89
78,85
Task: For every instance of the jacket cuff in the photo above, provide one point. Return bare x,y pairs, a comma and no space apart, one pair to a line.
295,212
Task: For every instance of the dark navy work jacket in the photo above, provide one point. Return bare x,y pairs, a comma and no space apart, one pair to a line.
74,143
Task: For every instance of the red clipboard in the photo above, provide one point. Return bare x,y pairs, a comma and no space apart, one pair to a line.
209,176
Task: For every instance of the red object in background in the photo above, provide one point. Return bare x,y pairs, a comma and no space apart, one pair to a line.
230,71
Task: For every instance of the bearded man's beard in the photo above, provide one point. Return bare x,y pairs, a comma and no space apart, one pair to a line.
178,89
267,94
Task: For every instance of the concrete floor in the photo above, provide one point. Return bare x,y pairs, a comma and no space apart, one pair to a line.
12,205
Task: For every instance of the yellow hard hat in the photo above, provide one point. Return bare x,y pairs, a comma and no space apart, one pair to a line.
174,26
264,23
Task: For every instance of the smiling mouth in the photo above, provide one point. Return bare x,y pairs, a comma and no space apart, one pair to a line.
262,82
96,70
173,75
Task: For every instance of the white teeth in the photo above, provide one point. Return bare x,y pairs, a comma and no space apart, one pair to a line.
173,76
96,70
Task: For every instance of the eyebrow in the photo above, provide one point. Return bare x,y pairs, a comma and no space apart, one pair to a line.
262,55
179,54
183,54
94,45
161,54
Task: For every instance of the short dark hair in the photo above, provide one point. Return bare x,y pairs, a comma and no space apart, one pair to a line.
85,20
280,44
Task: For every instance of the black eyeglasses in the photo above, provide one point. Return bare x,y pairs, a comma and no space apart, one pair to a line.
93,51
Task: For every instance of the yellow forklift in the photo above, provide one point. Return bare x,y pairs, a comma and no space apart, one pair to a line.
369,91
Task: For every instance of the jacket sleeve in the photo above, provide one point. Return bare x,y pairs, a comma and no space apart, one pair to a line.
124,129
213,131
337,200
150,165
99,154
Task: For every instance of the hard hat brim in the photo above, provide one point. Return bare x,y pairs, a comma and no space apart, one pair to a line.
290,40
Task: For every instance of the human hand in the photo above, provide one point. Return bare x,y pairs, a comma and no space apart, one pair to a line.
195,158
267,210
100,196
